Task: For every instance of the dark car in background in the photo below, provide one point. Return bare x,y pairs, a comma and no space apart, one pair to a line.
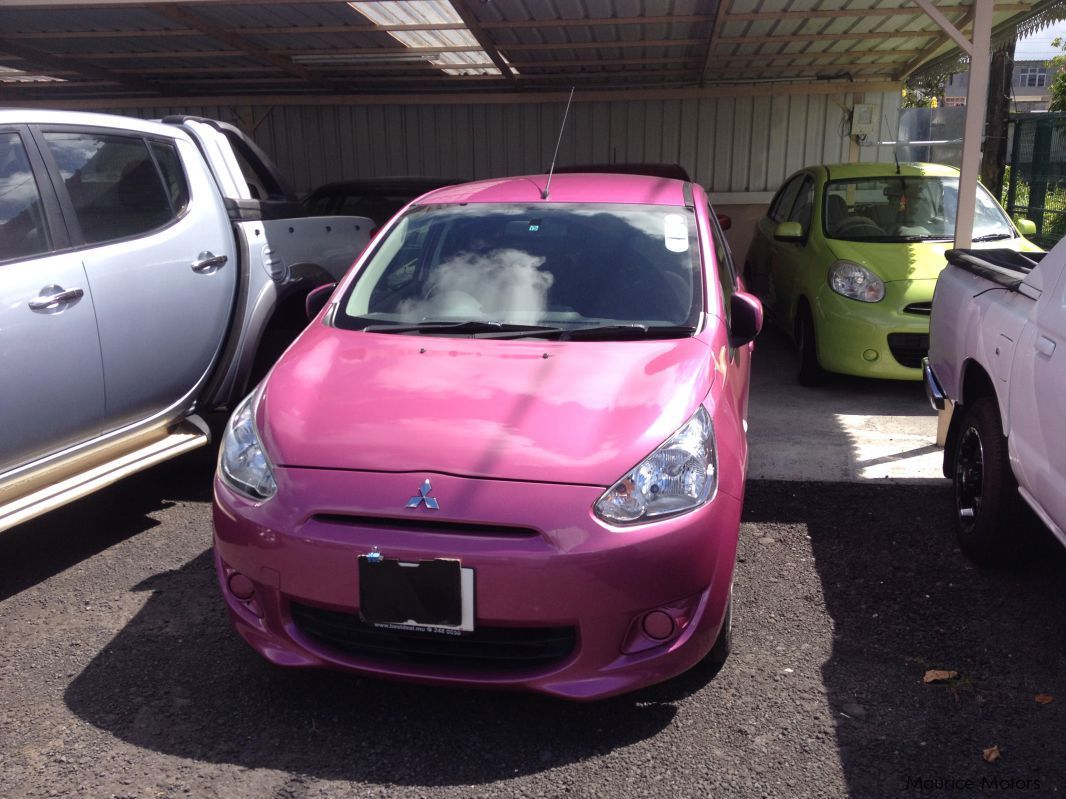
376,198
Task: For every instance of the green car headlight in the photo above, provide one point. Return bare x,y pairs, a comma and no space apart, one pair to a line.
856,282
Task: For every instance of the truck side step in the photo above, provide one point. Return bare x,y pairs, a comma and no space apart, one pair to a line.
39,499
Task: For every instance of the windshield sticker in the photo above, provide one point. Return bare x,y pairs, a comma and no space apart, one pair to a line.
675,233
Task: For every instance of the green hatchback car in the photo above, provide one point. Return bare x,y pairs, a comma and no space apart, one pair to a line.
847,257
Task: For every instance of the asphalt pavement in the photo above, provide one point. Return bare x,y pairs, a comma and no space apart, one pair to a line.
120,676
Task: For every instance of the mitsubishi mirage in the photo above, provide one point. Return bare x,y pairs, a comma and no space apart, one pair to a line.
508,452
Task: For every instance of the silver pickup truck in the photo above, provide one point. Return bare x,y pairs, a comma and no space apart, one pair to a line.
996,365
149,272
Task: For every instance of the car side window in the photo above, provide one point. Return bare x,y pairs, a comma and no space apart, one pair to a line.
23,232
782,204
801,210
166,155
113,183
727,275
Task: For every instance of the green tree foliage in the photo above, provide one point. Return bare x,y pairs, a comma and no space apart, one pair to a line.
1058,86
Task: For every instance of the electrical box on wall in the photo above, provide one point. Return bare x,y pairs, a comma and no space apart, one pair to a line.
863,119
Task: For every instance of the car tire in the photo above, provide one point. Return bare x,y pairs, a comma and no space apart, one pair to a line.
810,373
989,514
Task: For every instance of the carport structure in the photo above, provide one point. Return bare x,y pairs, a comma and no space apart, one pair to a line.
739,91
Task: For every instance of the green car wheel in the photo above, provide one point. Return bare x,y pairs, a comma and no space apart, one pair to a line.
811,373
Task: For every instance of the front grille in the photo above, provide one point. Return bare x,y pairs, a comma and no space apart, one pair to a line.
423,525
491,648
909,348
920,308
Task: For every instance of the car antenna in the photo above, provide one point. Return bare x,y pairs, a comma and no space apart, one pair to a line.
562,127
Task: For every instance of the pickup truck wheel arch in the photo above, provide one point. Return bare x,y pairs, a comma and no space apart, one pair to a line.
975,384
288,319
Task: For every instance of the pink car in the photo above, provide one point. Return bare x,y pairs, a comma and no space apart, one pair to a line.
510,451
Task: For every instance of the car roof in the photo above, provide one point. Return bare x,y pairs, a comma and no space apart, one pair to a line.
883,169
38,116
566,188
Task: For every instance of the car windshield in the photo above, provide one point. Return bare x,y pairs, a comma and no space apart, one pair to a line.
500,270
899,208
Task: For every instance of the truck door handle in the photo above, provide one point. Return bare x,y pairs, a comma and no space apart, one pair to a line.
55,297
1045,346
207,262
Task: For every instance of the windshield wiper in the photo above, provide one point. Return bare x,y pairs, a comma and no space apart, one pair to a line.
994,237
622,332
929,237
471,326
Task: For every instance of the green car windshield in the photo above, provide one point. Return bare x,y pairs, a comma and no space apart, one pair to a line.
900,208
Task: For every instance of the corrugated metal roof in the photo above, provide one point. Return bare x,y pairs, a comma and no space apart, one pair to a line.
141,48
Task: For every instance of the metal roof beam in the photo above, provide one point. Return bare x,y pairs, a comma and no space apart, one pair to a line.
281,30
186,16
482,38
46,61
946,25
961,24
839,13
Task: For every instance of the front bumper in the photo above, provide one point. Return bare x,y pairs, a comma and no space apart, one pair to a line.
562,575
933,390
878,339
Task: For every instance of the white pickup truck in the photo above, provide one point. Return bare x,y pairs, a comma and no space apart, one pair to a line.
997,365
149,272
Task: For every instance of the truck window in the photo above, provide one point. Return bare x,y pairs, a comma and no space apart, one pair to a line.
113,184
23,232
166,155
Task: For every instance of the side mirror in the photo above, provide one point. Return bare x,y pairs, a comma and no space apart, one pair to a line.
745,318
1027,227
317,299
724,220
788,231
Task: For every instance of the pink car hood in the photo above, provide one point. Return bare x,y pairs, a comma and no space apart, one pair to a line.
556,412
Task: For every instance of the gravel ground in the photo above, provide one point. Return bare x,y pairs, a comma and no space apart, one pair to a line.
120,677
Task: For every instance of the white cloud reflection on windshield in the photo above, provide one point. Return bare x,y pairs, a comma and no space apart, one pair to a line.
498,284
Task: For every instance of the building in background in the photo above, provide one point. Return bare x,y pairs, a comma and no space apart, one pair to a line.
1030,86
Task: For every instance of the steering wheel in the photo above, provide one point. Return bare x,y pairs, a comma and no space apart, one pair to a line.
857,224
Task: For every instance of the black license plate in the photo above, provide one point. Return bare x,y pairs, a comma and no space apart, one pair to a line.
425,593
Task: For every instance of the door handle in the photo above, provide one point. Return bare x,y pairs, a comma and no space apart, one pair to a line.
55,297
207,262
1045,346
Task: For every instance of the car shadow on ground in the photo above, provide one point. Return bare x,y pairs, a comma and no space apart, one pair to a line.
178,680
50,544
903,600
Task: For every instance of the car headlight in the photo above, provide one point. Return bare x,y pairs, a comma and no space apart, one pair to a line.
242,463
856,281
679,476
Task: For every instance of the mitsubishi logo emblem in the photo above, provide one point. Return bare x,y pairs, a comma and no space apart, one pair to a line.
423,496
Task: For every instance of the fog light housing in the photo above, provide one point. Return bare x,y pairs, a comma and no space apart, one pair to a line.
240,586
870,355
658,625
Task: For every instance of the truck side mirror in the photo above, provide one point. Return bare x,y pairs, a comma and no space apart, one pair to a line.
745,318
317,299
